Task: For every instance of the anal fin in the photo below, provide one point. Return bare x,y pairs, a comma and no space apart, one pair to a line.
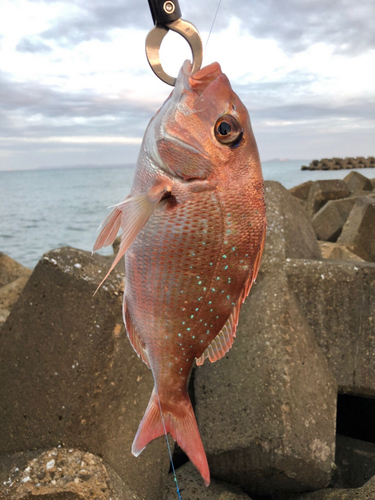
133,336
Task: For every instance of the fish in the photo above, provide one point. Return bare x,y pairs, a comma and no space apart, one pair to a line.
193,230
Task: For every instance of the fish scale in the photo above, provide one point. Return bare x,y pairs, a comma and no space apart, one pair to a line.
193,230
171,274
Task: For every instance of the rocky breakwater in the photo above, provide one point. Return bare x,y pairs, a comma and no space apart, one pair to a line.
72,386
343,215
341,163
13,278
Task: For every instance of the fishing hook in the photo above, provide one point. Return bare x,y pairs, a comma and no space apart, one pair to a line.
166,16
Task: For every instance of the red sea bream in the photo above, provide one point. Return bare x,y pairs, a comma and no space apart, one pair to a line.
193,230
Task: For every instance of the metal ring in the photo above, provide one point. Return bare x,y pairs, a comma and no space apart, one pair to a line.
155,38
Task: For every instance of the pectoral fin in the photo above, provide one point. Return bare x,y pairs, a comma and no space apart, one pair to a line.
131,214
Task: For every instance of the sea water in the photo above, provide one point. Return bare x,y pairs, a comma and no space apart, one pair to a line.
45,209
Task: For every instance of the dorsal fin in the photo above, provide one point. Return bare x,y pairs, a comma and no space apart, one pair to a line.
223,340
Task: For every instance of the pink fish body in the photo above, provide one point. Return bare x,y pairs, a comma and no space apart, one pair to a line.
193,231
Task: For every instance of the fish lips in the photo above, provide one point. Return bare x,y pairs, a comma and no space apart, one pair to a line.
200,80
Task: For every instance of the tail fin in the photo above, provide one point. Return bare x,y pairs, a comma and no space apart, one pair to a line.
180,423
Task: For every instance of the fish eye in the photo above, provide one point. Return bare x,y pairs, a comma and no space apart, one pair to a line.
227,129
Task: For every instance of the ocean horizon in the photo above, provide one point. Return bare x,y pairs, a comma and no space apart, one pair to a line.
47,208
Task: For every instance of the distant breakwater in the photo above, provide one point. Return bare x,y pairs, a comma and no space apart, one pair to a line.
341,163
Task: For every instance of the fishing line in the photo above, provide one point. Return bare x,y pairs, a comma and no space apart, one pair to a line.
169,448
156,390
213,22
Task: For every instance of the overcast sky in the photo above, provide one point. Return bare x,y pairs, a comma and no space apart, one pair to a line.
76,88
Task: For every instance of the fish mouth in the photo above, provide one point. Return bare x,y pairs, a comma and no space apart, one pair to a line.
199,80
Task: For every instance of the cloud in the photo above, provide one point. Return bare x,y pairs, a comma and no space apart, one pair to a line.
41,126
85,21
305,114
295,25
77,88
33,45
33,109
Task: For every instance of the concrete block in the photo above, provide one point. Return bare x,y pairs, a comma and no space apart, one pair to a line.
367,492
290,233
323,191
338,301
337,251
11,270
359,230
267,411
330,219
192,488
9,293
69,374
60,474
302,190
13,278
355,462
358,182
